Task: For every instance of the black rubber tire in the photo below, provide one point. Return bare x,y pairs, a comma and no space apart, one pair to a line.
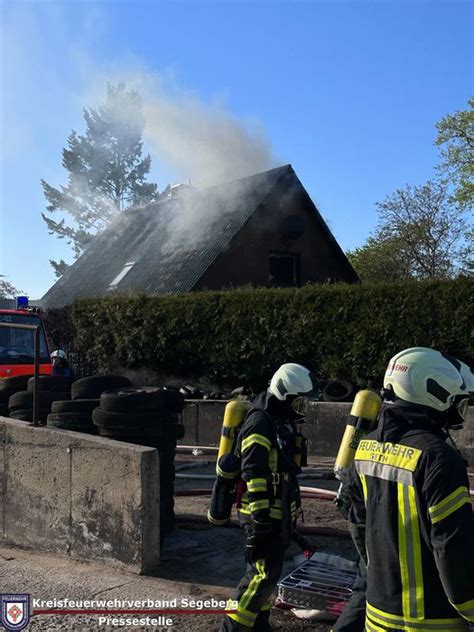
150,419
141,399
338,391
15,383
24,399
92,387
27,414
81,406
71,421
139,436
5,396
52,383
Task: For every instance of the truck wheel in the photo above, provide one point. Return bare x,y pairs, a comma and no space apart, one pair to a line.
52,383
84,406
92,387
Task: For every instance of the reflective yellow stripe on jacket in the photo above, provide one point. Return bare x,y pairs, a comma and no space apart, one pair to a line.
449,505
254,439
377,617
409,552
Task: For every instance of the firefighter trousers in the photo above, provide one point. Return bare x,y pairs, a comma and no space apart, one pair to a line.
352,618
254,594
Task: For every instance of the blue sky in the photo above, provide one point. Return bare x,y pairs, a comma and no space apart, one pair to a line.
349,93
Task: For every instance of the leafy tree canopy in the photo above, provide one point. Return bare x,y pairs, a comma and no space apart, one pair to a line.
456,139
106,172
421,234
7,289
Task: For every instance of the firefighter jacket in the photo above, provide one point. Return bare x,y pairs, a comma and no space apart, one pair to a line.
267,445
410,489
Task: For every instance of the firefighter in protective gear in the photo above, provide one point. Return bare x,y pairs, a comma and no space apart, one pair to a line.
410,492
268,446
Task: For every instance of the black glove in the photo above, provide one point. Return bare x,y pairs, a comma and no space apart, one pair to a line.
260,536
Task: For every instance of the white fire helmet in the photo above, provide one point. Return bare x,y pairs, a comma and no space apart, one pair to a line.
293,380
427,377
58,353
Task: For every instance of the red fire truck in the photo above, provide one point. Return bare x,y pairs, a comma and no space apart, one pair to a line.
17,345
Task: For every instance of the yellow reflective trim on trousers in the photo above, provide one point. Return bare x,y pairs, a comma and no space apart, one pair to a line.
415,625
216,523
244,617
409,543
449,505
257,485
275,513
259,504
255,582
364,487
256,439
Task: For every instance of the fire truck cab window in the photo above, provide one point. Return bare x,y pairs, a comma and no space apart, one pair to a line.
284,270
17,346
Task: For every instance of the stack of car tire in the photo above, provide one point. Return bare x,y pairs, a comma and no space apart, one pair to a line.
8,387
146,416
76,412
51,389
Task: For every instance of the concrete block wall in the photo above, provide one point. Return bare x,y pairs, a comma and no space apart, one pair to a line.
85,496
324,427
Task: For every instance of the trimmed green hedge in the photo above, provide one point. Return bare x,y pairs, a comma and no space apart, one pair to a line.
347,331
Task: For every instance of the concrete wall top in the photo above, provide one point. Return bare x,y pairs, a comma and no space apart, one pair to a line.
86,496
324,427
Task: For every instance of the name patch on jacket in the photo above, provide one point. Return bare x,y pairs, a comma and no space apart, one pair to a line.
395,454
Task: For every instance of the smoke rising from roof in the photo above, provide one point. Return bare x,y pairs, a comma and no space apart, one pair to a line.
197,140
203,141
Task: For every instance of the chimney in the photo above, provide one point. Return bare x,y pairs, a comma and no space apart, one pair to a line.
177,190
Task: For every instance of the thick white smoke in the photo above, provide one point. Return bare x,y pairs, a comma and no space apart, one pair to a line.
198,140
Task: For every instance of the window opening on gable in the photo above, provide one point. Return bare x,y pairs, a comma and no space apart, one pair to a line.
284,269
126,269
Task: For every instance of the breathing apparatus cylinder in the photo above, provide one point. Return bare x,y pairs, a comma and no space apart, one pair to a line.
234,414
362,419
228,464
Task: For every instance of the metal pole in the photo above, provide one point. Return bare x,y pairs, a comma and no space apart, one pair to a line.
36,392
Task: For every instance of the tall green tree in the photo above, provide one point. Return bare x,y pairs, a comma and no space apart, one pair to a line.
421,234
106,172
7,289
456,139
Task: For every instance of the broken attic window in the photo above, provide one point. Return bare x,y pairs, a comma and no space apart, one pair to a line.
126,269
